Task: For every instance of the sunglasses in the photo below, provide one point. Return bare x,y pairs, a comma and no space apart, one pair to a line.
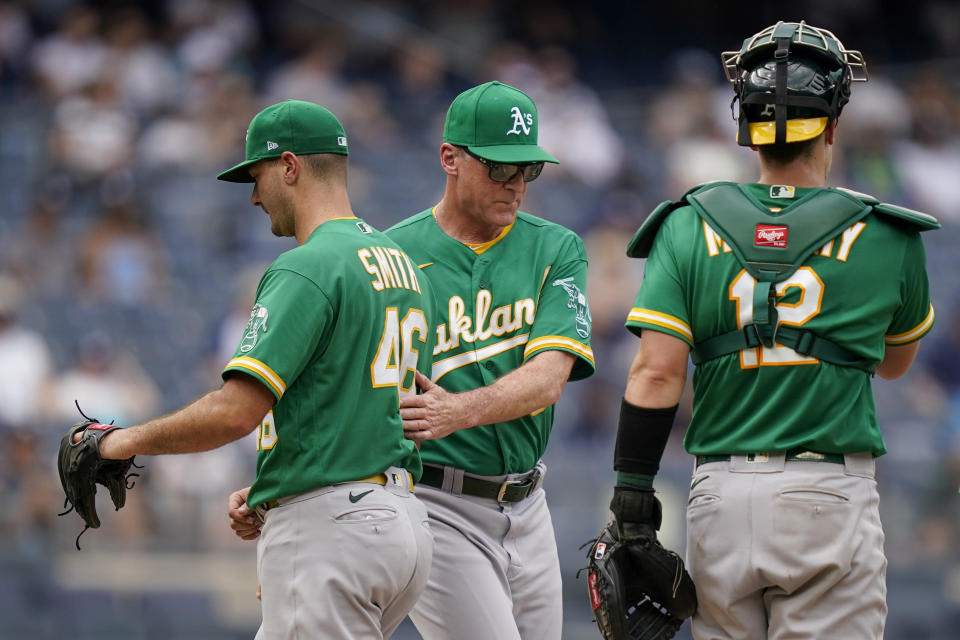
500,172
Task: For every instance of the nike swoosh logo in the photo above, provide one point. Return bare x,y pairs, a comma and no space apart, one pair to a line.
355,498
424,265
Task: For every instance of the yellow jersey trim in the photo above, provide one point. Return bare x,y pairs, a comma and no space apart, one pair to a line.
648,316
913,334
480,247
559,342
264,372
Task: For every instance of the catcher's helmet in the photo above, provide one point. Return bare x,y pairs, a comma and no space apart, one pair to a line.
791,80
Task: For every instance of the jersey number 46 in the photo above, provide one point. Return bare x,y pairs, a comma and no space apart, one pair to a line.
396,359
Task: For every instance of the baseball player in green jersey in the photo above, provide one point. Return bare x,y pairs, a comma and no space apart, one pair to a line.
332,342
788,295
514,327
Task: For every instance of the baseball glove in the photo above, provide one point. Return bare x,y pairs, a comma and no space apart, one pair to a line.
638,590
81,468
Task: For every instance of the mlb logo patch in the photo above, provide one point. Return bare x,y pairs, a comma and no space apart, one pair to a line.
770,235
782,191
601,549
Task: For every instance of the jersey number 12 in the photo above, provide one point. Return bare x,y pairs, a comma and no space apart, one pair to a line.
795,314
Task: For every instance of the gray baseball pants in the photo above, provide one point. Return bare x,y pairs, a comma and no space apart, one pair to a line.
335,565
495,574
783,550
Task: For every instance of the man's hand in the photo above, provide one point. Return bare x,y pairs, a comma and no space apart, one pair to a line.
243,520
82,466
433,414
110,445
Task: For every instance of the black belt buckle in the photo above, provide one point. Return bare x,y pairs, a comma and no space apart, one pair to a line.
529,483
506,485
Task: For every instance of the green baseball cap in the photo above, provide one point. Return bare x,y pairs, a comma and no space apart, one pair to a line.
292,125
497,122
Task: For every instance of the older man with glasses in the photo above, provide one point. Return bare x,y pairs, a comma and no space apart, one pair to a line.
514,326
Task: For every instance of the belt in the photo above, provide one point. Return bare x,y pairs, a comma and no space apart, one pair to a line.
502,491
793,455
380,478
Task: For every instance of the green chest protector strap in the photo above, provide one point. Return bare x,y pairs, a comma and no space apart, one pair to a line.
759,240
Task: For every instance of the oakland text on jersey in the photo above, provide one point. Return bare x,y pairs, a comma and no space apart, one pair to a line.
505,319
390,267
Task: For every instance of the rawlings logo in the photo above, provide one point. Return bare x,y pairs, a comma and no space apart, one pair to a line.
768,235
100,426
594,594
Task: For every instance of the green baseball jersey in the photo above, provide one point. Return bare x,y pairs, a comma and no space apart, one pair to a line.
339,326
499,304
864,289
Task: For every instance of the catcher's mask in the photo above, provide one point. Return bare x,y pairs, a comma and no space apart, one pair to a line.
791,80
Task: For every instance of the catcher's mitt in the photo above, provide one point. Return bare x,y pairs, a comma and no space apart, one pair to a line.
638,590
81,468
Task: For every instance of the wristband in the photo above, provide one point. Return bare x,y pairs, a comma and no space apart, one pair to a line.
642,436
634,480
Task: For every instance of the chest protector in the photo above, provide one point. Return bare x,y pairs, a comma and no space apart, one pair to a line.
810,221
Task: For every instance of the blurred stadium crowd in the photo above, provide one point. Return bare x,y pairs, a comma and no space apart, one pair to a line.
127,272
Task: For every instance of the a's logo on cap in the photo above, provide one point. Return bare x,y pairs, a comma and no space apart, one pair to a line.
271,145
782,191
342,141
520,121
770,235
